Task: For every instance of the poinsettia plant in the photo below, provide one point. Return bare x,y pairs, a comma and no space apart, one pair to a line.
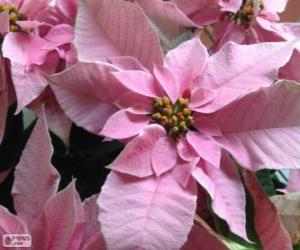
149,124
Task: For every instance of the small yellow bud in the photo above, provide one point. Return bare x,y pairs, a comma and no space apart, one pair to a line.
167,111
174,131
183,102
182,126
156,116
186,111
14,28
189,120
166,100
180,117
13,17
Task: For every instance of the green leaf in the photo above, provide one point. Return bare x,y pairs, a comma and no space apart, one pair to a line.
232,245
168,45
265,179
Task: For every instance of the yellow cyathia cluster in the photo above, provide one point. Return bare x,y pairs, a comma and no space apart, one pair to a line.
175,118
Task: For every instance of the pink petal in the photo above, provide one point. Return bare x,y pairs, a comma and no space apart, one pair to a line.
32,7
86,111
25,50
4,22
139,82
28,85
164,155
68,8
167,81
227,31
95,243
201,97
57,121
127,63
294,182
231,6
60,34
231,67
166,17
61,217
79,91
203,237
120,28
136,103
135,159
289,71
207,126
29,25
227,192
124,124
10,224
224,96
148,212
268,225
182,171
35,170
188,59
186,151
206,147
200,175
90,79
91,212
285,31
267,135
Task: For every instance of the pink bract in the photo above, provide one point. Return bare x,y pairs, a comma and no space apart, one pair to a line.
54,220
189,72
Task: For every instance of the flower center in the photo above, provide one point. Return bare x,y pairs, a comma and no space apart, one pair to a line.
245,14
175,118
14,16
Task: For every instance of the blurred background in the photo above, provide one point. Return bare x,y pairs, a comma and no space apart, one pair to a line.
292,12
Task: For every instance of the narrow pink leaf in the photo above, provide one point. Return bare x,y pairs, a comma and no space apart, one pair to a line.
268,225
124,124
266,136
35,170
227,192
135,159
91,212
10,224
119,28
232,66
62,215
149,213
203,237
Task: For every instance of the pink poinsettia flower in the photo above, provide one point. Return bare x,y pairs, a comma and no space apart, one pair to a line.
167,116
244,22
42,50
55,220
